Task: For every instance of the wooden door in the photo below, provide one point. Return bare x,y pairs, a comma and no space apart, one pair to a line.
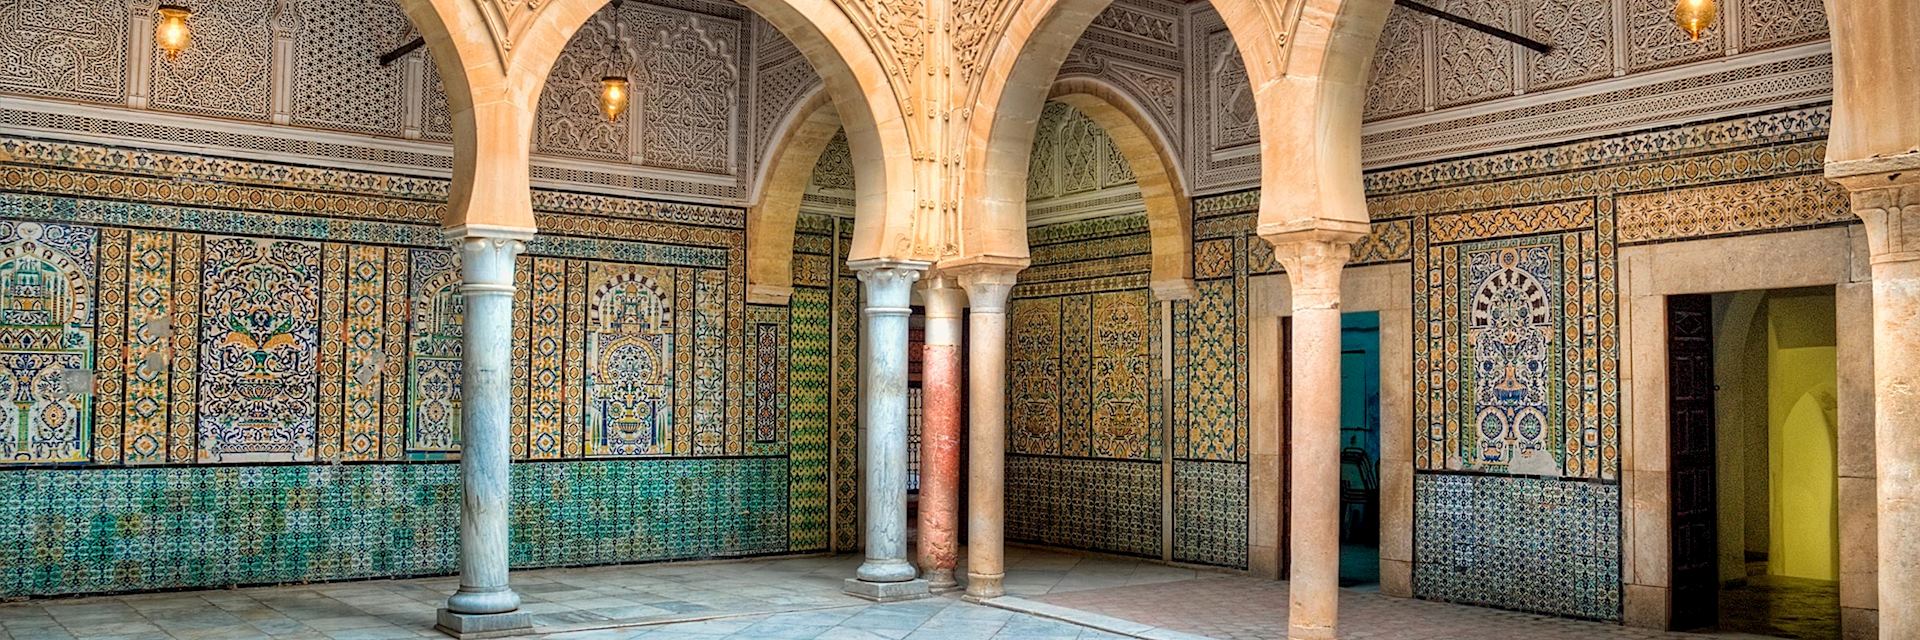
1692,489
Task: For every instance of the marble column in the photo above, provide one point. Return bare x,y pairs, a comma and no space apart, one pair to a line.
1313,256
1886,196
886,575
485,605
987,288
940,433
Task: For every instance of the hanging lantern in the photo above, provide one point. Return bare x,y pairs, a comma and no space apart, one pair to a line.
1694,16
614,96
172,34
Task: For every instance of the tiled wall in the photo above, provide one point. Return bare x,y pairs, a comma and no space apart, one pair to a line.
168,323
1516,390
1084,416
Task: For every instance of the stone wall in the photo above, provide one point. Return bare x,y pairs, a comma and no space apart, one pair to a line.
229,372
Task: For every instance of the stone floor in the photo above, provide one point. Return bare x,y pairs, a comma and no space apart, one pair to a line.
1241,608
1782,607
1052,595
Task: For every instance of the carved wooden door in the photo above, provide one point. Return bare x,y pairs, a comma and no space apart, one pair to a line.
1696,580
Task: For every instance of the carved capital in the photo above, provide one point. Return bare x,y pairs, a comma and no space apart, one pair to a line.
1313,252
1889,204
487,257
988,282
889,284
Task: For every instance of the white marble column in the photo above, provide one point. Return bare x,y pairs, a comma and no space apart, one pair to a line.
886,574
485,605
1886,196
1313,257
987,289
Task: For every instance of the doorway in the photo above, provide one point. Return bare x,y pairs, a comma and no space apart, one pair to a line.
1754,494
1360,450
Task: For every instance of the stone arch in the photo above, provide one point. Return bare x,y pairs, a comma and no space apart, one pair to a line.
854,77
1307,62
1156,168
495,56
802,137
491,104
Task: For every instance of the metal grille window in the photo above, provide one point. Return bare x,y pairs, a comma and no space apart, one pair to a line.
913,439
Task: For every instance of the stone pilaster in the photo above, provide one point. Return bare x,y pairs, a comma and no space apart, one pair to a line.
1886,196
484,604
1313,256
886,574
940,386
988,286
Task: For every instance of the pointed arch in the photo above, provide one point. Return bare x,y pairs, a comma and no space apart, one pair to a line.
1156,168
801,139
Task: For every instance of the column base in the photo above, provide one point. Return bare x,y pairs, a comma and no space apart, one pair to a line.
941,581
888,591
484,625
985,587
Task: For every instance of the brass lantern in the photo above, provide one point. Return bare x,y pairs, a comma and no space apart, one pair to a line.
172,34
1694,16
615,96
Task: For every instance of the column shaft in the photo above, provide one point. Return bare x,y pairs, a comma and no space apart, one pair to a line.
889,296
940,434
1887,199
987,290
487,263
1313,260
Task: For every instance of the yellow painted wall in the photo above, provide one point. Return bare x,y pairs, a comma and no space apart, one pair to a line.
1801,367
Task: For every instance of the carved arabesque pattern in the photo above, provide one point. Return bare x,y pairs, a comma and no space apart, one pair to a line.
1658,42
1399,81
691,90
1072,155
227,70
1582,35
1236,120
64,48
338,80
570,118
1475,66
834,170
1776,23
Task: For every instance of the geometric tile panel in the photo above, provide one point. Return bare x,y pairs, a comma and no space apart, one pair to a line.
1210,513
1100,505
78,531
1542,545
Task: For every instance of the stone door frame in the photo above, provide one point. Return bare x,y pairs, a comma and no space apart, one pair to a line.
1831,256
1383,288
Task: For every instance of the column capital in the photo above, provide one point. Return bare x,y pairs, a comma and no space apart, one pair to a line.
988,283
1886,195
884,269
1313,252
888,283
486,256
943,295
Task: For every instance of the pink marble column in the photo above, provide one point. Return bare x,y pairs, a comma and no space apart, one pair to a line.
940,434
1313,257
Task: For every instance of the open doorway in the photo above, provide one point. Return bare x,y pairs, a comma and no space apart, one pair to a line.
1753,403
1360,450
